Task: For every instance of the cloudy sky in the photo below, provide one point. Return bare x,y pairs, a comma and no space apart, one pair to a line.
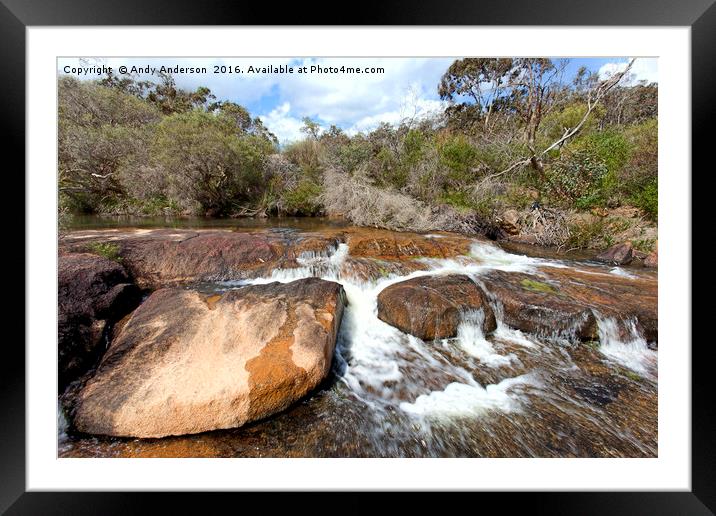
354,102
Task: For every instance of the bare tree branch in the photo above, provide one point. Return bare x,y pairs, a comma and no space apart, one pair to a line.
592,100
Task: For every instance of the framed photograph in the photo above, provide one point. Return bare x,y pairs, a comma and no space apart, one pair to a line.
432,251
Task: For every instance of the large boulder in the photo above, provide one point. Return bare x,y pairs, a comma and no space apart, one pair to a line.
432,307
625,299
510,222
620,254
93,292
186,363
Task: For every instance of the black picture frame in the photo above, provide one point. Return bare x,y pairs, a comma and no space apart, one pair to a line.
16,15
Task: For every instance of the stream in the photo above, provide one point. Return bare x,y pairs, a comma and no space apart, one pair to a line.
390,394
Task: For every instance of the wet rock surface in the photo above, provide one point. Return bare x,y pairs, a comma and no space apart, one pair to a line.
512,392
623,298
391,245
187,363
566,302
158,258
535,304
432,307
93,293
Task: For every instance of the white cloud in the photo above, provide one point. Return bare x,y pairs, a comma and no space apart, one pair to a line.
644,69
407,89
354,102
285,126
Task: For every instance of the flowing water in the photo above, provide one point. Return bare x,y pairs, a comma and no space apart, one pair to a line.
390,394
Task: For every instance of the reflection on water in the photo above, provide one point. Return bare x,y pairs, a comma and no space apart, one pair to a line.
77,222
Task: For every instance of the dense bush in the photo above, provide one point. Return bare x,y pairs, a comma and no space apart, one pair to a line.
151,149
209,167
578,178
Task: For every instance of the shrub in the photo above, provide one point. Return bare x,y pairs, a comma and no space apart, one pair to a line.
609,147
414,145
355,198
588,234
458,156
638,178
208,165
100,131
579,177
303,199
306,154
555,123
354,154
106,249
647,199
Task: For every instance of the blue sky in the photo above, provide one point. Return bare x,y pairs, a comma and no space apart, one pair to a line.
354,102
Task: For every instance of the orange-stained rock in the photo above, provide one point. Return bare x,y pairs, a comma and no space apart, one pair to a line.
431,307
610,295
535,304
205,257
187,363
370,269
510,222
393,245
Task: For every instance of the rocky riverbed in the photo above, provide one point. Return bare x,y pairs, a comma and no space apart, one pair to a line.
349,342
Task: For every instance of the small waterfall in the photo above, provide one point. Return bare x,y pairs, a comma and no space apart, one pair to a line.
622,343
618,271
471,339
388,369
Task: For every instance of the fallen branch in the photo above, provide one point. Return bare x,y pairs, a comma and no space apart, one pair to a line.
592,100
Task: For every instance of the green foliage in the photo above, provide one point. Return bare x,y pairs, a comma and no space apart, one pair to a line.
556,122
645,245
579,178
609,147
141,148
458,199
587,234
208,165
353,154
414,145
391,172
105,249
303,200
101,132
459,156
517,197
306,154
647,199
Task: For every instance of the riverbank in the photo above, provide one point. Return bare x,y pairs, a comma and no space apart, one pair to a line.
589,234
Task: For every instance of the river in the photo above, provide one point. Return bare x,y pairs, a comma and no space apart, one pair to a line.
389,394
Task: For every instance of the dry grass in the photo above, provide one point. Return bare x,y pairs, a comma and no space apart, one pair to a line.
356,199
